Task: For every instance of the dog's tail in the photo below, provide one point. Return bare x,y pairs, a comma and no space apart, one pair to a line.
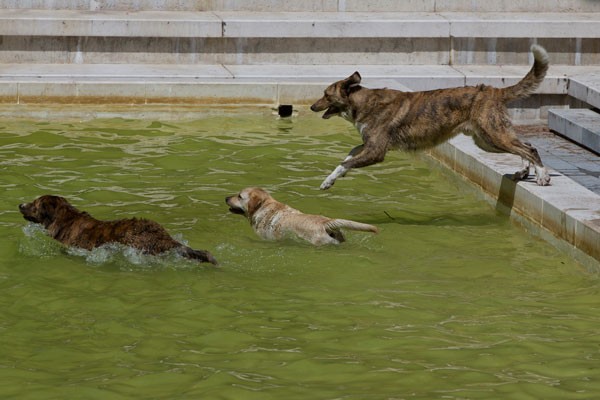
200,255
534,77
336,224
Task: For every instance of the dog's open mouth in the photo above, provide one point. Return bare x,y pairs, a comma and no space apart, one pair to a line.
236,210
330,112
26,215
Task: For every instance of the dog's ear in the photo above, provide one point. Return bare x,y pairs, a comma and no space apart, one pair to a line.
51,207
255,201
45,212
352,80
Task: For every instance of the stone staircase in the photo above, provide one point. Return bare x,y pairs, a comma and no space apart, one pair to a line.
272,52
581,125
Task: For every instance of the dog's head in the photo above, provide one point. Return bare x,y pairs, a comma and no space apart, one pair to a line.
45,209
248,201
335,99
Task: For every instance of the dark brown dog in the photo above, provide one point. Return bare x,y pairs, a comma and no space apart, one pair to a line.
390,119
75,228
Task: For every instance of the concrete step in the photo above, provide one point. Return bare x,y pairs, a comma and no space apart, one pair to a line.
312,5
586,88
579,125
74,36
19,22
64,23
276,84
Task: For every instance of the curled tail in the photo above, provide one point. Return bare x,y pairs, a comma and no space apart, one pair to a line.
336,224
534,77
200,255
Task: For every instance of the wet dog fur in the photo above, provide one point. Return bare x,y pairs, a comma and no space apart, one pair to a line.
72,227
273,220
390,119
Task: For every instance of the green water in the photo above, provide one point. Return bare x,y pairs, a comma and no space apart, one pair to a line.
449,300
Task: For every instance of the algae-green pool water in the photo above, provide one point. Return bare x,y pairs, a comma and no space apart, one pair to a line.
449,301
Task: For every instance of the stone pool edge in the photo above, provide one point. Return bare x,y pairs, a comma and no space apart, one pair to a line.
565,214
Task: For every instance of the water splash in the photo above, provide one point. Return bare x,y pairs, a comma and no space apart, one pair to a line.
38,244
118,254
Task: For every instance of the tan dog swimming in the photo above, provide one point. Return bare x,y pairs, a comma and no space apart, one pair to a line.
273,220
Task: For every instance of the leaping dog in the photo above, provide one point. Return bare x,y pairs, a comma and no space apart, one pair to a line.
390,119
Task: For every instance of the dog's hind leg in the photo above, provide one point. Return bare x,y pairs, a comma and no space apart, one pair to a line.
200,255
529,154
541,173
522,173
498,133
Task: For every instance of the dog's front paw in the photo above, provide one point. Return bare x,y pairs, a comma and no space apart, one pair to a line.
339,171
326,184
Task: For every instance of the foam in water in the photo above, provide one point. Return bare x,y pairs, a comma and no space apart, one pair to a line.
39,244
114,253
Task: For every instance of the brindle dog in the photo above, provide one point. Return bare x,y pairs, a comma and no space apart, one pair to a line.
76,228
390,119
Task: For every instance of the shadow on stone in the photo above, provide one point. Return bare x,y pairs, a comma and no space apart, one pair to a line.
506,196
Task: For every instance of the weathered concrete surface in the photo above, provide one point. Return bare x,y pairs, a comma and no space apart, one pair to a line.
65,22
235,84
240,37
580,125
312,5
586,87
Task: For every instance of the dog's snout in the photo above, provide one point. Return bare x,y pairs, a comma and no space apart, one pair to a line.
320,105
22,206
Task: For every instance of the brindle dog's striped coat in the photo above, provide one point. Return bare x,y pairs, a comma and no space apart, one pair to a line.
390,119
75,228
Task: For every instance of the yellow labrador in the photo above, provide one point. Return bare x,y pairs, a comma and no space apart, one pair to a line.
273,220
